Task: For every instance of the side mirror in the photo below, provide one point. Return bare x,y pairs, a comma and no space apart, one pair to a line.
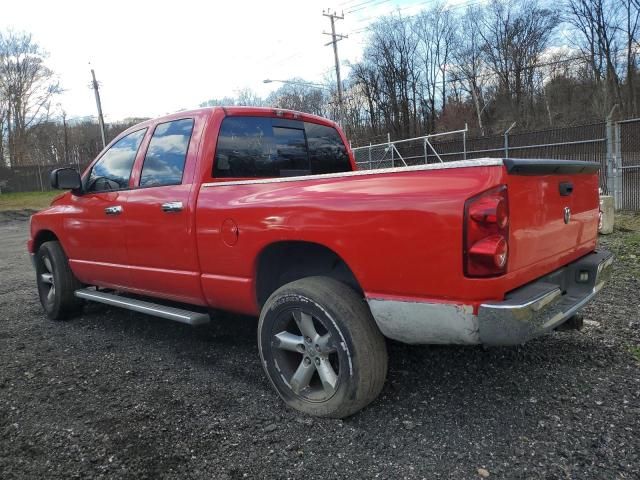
66,179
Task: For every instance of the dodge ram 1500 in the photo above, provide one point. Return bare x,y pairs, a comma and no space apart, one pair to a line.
263,212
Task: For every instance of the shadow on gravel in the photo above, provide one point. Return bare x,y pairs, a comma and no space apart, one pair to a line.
439,381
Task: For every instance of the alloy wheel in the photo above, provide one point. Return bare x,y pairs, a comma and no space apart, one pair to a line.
306,355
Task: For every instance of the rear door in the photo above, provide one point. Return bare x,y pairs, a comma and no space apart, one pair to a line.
95,229
161,214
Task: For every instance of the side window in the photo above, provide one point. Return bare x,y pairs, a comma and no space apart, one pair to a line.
113,170
244,148
165,157
251,147
327,152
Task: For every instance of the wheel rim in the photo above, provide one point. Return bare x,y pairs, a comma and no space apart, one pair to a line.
306,356
47,282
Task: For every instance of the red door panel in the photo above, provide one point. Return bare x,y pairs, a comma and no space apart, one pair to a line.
95,238
161,243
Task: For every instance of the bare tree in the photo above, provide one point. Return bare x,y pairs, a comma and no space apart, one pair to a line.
597,24
248,98
468,59
435,32
27,86
516,34
299,95
389,59
632,16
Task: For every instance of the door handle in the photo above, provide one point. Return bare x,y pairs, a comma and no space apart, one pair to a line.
115,210
172,207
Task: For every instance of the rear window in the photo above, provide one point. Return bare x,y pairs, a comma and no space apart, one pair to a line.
262,147
327,152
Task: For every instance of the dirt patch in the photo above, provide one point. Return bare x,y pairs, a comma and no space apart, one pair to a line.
9,216
114,394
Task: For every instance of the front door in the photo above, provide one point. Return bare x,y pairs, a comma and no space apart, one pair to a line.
95,230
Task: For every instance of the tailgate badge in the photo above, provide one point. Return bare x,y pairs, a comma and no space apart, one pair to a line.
567,214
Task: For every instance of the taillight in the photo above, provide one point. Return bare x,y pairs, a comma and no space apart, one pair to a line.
486,233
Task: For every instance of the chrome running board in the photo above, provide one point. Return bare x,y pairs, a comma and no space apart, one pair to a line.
170,313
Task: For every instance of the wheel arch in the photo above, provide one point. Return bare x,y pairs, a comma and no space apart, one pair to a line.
286,261
43,236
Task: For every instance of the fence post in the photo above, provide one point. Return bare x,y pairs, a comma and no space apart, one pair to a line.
424,144
370,156
611,183
393,162
617,165
506,140
613,134
464,141
40,179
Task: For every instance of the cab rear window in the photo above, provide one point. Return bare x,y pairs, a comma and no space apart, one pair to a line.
263,147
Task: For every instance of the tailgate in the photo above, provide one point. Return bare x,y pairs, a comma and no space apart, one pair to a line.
553,210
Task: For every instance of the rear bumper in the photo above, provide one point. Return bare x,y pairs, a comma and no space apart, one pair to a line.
545,304
526,313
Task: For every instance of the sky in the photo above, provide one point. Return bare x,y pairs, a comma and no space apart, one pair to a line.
156,57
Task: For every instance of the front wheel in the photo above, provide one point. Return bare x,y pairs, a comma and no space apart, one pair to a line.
56,282
321,348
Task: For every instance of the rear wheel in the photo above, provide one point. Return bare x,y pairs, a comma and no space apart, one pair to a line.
321,348
56,283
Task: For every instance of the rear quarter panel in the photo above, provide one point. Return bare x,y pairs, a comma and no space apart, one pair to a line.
400,233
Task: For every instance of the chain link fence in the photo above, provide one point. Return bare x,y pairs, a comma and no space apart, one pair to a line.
615,145
627,166
29,178
585,142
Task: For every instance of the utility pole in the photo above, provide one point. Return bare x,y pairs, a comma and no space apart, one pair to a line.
66,138
335,38
99,105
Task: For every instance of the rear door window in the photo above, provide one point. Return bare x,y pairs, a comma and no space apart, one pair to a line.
258,147
165,157
244,148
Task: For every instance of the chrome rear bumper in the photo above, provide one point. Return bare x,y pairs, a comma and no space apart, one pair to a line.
545,304
526,312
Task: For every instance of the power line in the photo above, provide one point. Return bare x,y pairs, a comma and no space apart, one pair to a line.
395,10
366,5
470,3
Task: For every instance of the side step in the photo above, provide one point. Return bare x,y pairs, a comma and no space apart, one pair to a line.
170,313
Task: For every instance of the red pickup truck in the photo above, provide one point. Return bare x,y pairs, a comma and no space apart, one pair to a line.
263,212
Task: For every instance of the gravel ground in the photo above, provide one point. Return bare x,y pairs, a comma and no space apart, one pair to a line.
115,394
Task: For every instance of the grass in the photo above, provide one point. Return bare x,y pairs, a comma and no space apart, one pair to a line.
635,351
26,200
627,222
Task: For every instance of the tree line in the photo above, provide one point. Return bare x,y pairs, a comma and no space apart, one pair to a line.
34,128
484,64
487,65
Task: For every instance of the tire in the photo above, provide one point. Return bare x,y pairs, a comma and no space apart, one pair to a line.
56,282
321,348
